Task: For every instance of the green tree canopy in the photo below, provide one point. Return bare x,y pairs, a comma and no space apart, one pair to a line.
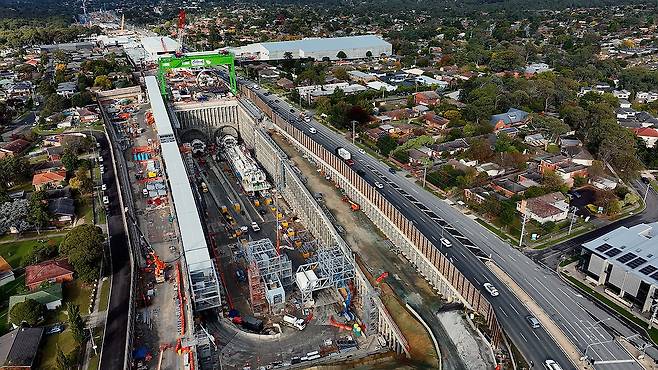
83,246
386,144
30,312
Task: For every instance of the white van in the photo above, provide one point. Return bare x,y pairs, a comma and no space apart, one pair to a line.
312,130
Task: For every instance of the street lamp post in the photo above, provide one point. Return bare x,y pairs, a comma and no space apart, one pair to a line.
646,193
353,131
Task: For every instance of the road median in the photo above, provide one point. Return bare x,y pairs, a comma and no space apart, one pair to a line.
567,346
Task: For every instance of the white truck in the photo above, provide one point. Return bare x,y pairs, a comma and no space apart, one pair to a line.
345,155
294,322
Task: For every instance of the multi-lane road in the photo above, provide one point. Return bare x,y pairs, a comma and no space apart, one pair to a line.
586,325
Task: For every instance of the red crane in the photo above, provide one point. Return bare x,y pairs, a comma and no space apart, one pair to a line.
181,27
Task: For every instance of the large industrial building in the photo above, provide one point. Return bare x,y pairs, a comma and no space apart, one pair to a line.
625,261
354,47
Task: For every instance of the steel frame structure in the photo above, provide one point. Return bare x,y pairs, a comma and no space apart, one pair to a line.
197,60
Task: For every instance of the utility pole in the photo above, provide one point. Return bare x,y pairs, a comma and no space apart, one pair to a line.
353,131
525,218
425,173
573,218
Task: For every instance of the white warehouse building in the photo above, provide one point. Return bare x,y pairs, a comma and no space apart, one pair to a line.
354,47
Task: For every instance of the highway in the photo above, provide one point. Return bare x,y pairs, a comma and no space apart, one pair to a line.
114,341
590,328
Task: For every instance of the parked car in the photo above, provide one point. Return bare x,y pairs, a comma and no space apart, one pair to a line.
103,187
55,329
106,200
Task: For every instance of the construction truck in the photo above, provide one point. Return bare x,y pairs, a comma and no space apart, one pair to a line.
345,155
294,322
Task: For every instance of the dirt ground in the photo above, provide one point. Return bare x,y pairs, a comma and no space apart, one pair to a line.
373,248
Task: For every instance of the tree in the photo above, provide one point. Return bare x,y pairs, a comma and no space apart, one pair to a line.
39,209
69,159
341,74
552,181
64,361
81,99
341,55
29,312
103,82
39,253
83,246
82,181
507,213
386,144
76,324
368,54
480,150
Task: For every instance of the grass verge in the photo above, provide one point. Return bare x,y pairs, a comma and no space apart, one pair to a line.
104,299
15,252
63,340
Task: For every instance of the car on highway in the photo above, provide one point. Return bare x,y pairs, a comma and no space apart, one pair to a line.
106,200
312,130
391,170
552,365
255,227
102,168
645,180
446,243
362,151
292,110
307,119
379,185
360,172
533,322
103,187
276,100
491,289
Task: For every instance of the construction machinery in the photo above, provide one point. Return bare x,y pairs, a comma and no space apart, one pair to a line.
353,205
157,265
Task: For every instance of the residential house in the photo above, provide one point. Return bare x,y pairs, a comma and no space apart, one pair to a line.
427,98
53,271
646,96
381,86
450,147
67,89
49,179
389,129
435,122
54,152
549,207
507,187
604,183
6,272
420,109
375,133
19,348
399,114
49,296
480,195
624,104
491,169
86,116
417,157
563,167
648,135
13,148
513,117
285,83
361,77
533,69
62,210
621,94
536,140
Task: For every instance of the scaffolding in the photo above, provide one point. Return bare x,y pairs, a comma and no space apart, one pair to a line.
256,290
331,268
269,272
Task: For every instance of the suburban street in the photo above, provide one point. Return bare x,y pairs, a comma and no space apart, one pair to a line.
591,329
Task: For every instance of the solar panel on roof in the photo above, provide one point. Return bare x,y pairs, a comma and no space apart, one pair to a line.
648,269
626,257
603,247
636,262
613,252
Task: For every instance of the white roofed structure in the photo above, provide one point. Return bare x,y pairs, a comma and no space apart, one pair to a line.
202,276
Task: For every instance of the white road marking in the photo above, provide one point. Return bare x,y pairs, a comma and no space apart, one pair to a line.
503,311
521,334
536,336
517,312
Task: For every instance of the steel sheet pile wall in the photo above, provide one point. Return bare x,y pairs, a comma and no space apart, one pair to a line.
416,247
275,162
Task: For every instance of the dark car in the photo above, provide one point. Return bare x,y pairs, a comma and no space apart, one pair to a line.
646,180
360,172
292,110
391,170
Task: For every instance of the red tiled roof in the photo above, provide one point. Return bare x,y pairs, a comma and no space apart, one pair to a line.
44,271
48,177
646,132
